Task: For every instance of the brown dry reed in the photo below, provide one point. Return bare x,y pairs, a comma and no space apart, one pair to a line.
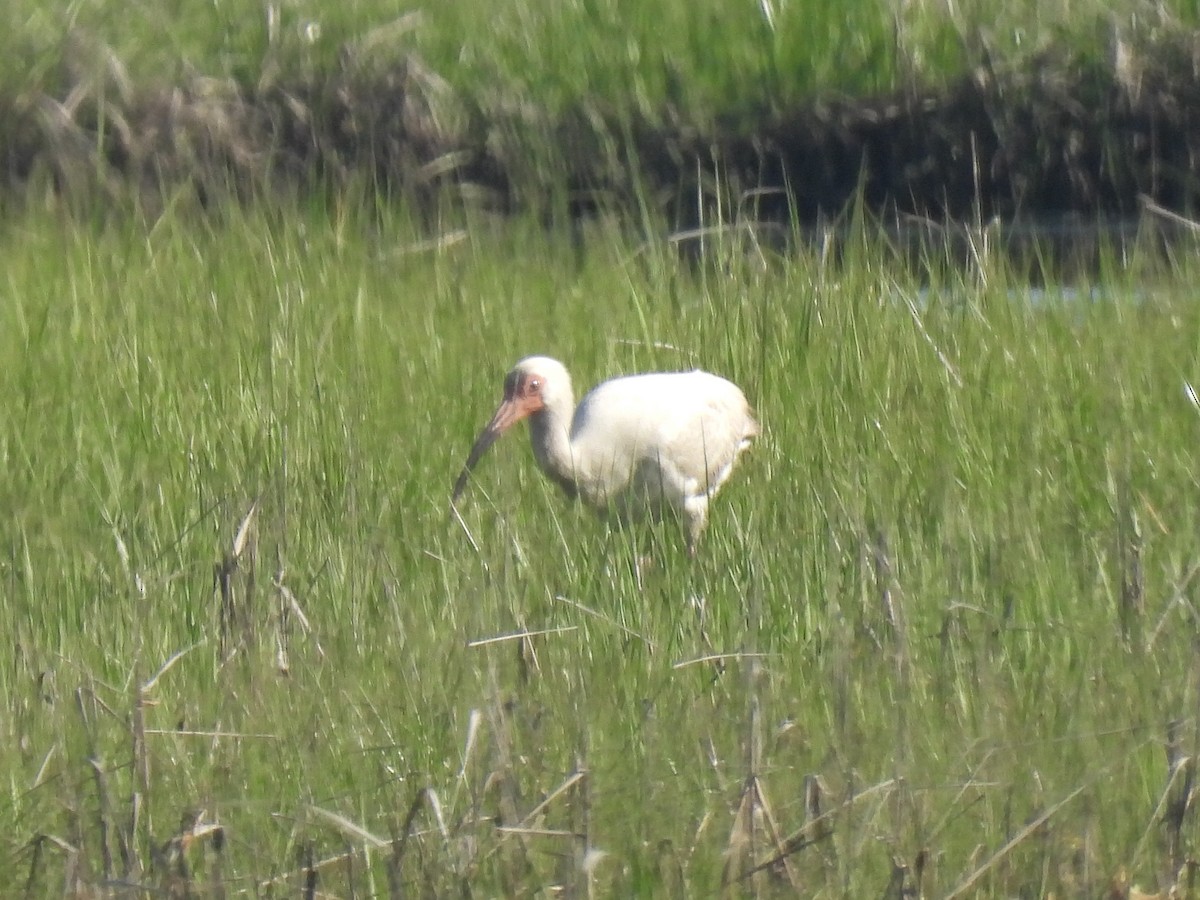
1061,134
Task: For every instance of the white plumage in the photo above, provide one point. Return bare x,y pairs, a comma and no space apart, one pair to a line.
637,445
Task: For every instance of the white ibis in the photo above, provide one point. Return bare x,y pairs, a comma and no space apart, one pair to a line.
638,445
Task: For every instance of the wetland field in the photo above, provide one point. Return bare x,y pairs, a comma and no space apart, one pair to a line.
262,280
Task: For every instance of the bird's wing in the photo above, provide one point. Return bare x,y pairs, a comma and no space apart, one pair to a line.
705,435
692,423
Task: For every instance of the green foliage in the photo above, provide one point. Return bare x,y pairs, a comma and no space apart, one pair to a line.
950,594
703,58
952,585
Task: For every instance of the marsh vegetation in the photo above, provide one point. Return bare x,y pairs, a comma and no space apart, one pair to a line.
940,637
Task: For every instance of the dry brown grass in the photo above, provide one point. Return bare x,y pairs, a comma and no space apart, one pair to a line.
1055,135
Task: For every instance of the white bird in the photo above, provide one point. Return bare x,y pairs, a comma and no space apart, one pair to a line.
637,445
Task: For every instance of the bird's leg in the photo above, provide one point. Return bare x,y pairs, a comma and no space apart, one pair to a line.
622,548
695,516
643,553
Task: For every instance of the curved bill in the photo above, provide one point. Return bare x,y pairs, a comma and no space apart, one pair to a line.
507,414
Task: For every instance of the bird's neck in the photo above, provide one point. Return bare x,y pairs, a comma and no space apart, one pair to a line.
550,431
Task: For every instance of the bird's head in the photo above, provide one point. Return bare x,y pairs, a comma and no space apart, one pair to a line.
535,384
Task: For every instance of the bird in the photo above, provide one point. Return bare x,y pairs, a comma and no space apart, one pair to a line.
637,446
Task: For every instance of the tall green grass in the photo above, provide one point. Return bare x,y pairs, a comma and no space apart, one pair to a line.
701,59
951,587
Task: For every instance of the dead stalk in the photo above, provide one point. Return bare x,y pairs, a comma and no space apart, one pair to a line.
235,598
1178,794
966,886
